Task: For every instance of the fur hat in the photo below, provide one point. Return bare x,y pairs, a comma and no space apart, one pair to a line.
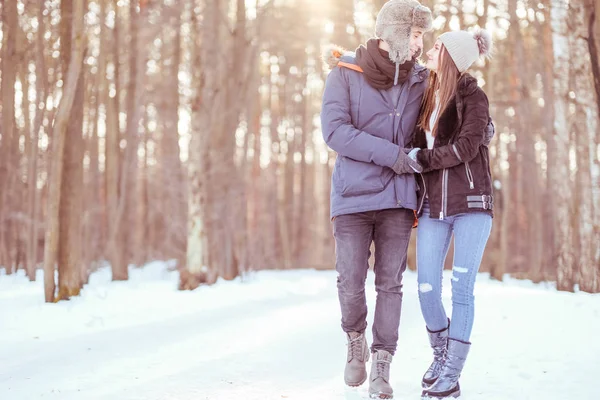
465,47
394,23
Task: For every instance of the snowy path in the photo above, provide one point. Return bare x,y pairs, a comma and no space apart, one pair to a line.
276,336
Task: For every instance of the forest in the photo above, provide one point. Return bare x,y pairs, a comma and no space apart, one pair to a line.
189,130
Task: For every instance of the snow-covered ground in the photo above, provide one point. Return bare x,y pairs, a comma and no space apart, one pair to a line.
276,336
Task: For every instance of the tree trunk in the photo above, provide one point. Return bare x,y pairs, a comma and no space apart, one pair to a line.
103,102
530,177
59,138
593,50
286,205
94,221
32,168
513,218
116,241
550,204
588,277
129,172
142,229
561,175
256,253
228,210
174,229
10,135
197,269
301,242
280,242
71,203
70,208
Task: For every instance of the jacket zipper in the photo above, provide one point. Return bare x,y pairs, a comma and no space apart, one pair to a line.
444,192
395,140
469,176
395,133
424,194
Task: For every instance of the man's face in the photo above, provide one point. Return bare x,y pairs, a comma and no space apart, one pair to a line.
416,42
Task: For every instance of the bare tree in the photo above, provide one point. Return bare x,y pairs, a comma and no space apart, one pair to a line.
206,80
70,208
33,155
10,132
561,175
60,127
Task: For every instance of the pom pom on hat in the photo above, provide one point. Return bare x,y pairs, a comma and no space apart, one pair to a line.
484,42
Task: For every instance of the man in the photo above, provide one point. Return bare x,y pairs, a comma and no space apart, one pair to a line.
370,106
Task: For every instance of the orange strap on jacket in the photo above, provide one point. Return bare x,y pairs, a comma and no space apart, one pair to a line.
350,66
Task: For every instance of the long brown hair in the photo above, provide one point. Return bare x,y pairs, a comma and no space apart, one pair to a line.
445,82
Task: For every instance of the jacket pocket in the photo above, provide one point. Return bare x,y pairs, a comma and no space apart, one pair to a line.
355,178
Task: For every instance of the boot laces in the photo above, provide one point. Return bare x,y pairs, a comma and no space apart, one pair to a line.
383,368
356,349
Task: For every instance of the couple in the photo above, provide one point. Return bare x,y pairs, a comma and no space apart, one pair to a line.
388,117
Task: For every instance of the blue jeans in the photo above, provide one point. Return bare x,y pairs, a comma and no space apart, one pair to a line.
471,232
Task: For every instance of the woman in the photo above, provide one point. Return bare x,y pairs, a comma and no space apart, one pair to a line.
455,198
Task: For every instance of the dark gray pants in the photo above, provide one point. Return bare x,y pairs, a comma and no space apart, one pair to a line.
354,233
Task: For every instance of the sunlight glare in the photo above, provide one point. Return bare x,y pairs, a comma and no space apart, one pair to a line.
329,27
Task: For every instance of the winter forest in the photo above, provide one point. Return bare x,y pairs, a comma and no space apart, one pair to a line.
140,130
162,166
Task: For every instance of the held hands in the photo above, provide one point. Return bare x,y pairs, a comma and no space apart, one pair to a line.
407,162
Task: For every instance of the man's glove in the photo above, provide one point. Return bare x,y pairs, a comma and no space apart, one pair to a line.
490,130
405,164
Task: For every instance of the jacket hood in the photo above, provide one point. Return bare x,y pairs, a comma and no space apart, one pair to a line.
332,55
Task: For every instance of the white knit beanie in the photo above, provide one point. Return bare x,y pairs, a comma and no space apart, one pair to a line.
466,47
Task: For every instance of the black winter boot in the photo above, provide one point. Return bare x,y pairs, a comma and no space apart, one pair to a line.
439,343
447,383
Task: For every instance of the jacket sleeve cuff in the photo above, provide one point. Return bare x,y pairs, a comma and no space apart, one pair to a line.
423,157
394,156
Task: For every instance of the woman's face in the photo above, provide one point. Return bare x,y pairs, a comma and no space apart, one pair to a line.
433,56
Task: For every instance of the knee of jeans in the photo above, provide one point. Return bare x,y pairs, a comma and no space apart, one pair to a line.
461,294
429,292
351,283
388,284
425,287
389,287
462,291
